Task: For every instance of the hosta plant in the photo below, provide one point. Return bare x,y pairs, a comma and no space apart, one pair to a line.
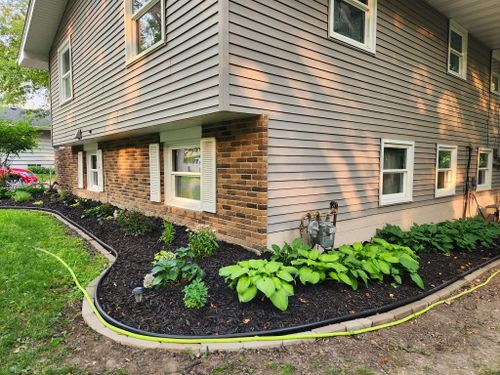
273,279
288,252
180,268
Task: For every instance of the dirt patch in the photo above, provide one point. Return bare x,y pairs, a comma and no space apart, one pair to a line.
163,310
460,338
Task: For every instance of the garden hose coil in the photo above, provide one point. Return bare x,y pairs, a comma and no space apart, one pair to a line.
258,338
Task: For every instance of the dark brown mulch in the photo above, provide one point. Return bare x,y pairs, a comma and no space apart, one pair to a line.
163,310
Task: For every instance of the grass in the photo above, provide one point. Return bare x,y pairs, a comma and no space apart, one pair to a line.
44,178
35,289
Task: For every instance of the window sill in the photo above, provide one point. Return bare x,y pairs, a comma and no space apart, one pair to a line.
186,204
483,187
64,102
134,59
442,194
352,43
94,190
455,74
394,201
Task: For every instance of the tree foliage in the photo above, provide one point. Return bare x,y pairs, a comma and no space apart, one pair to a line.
16,137
16,83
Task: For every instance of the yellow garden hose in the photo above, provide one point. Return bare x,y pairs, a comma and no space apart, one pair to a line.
258,338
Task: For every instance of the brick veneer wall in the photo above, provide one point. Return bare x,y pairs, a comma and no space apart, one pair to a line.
241,180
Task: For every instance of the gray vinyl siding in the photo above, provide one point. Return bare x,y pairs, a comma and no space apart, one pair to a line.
42,155
329,104
179,80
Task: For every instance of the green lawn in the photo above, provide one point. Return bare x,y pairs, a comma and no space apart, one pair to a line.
35,288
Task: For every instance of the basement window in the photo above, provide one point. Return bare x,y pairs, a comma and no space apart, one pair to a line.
144,27
65,72
446,170
396,172
457,50
354,22
484,169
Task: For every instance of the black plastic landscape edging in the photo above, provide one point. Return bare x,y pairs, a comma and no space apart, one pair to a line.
272,332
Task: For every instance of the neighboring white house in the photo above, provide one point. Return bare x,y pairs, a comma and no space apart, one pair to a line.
43,155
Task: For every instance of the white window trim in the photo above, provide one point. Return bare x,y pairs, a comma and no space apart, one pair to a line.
99,187
370,25
170,198
489,169
65,46
495,55
131,32
455,27
453,169
407,194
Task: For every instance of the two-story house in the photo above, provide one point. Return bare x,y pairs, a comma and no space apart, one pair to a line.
245,114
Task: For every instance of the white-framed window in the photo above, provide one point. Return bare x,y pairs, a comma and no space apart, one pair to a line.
144,27
185,175
65,72
484,168
94,170
495,72
354,22
446,170
457,50
396,171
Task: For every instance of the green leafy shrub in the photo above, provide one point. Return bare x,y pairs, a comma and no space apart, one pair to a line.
273,279
195,295
103,211
134,223
62,196
459,235
168,234
288,252
21,196
180,268
32,189
202,241
41,170
5,193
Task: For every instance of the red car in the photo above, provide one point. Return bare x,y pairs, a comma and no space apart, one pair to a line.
27,177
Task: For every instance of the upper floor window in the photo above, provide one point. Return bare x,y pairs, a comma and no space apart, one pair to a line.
446,170
144,27
495,72
484,169
65,72
354,22
457,50
396,171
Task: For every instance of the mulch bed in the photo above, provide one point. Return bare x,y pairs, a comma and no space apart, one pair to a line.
163,310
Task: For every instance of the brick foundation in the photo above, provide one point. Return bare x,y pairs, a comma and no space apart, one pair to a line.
241,180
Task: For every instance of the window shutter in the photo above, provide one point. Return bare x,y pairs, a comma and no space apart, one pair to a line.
80,170
154,172
100,188
208,175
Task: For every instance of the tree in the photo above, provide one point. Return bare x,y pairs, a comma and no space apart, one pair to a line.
16,137
16,83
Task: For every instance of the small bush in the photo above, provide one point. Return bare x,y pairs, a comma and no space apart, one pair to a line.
288,252
41,170
32,189
195,295
21,196
168,234
62,196
459,235
168,270
5,193
202,241
103,211
134,223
